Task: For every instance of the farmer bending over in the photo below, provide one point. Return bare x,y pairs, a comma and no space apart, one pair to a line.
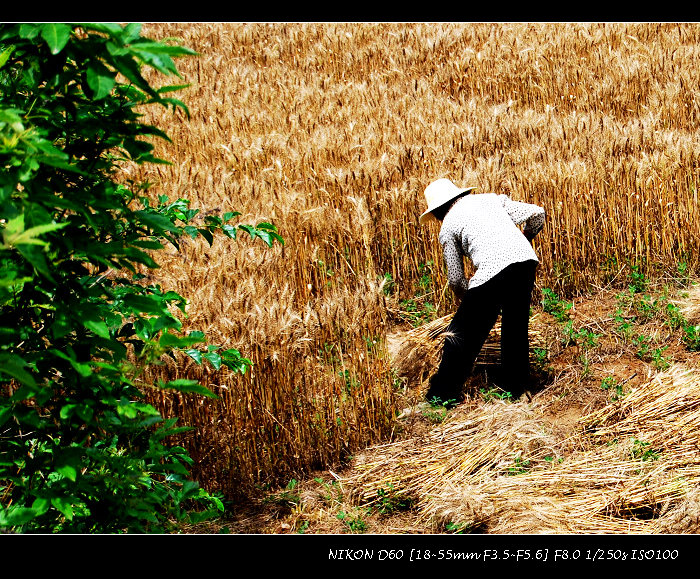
484,228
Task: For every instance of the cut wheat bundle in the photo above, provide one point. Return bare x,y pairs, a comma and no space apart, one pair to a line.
666,409
421,349
459,452
496,468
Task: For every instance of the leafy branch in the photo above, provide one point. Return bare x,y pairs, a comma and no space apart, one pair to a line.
80,448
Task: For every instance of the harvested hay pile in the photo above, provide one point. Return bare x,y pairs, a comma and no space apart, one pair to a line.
634,467
690,306
421,349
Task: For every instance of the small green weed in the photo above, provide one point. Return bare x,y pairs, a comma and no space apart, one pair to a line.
610,382
691,337
647,307
436,402
390,501
643,451
396,381
425,271
388,284
351,382
660,361
417,314
457,528
583,337
326,272
674,317
494,394
638,283
416,310
541,357
354,523
287,498
520,466
682,277
554,305
333,493
624,324
643,344
437,411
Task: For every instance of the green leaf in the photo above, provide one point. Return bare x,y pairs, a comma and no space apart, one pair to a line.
67,411
132,410
83,369
29,31
14,366
187,386
98,327
16,516
232,359
144,304
112,29
100,80
268,233
169,430
5,414
36,258
158,55
63,506
68,471
156,221
147,244
196,355
41,505
56,36
171,341
5,55
15,234
229,230
214,359
206,234
131,70
140,257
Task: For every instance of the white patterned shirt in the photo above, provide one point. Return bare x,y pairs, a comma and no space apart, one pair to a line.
484,228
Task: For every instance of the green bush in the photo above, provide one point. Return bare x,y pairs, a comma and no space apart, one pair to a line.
80,449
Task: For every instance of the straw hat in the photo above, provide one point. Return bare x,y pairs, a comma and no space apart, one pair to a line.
438,193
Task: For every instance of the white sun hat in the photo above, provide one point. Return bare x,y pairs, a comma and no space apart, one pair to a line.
438,193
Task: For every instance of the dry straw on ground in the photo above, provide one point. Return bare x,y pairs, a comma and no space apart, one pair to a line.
331,131
496,469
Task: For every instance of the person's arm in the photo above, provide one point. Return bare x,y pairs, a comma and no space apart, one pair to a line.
528,213
455,267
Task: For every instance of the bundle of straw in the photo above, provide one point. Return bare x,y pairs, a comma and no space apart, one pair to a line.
421,349
635,467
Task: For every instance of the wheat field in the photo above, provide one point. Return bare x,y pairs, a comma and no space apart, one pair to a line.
331,131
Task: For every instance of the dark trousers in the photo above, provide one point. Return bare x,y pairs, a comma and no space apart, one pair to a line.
509,294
